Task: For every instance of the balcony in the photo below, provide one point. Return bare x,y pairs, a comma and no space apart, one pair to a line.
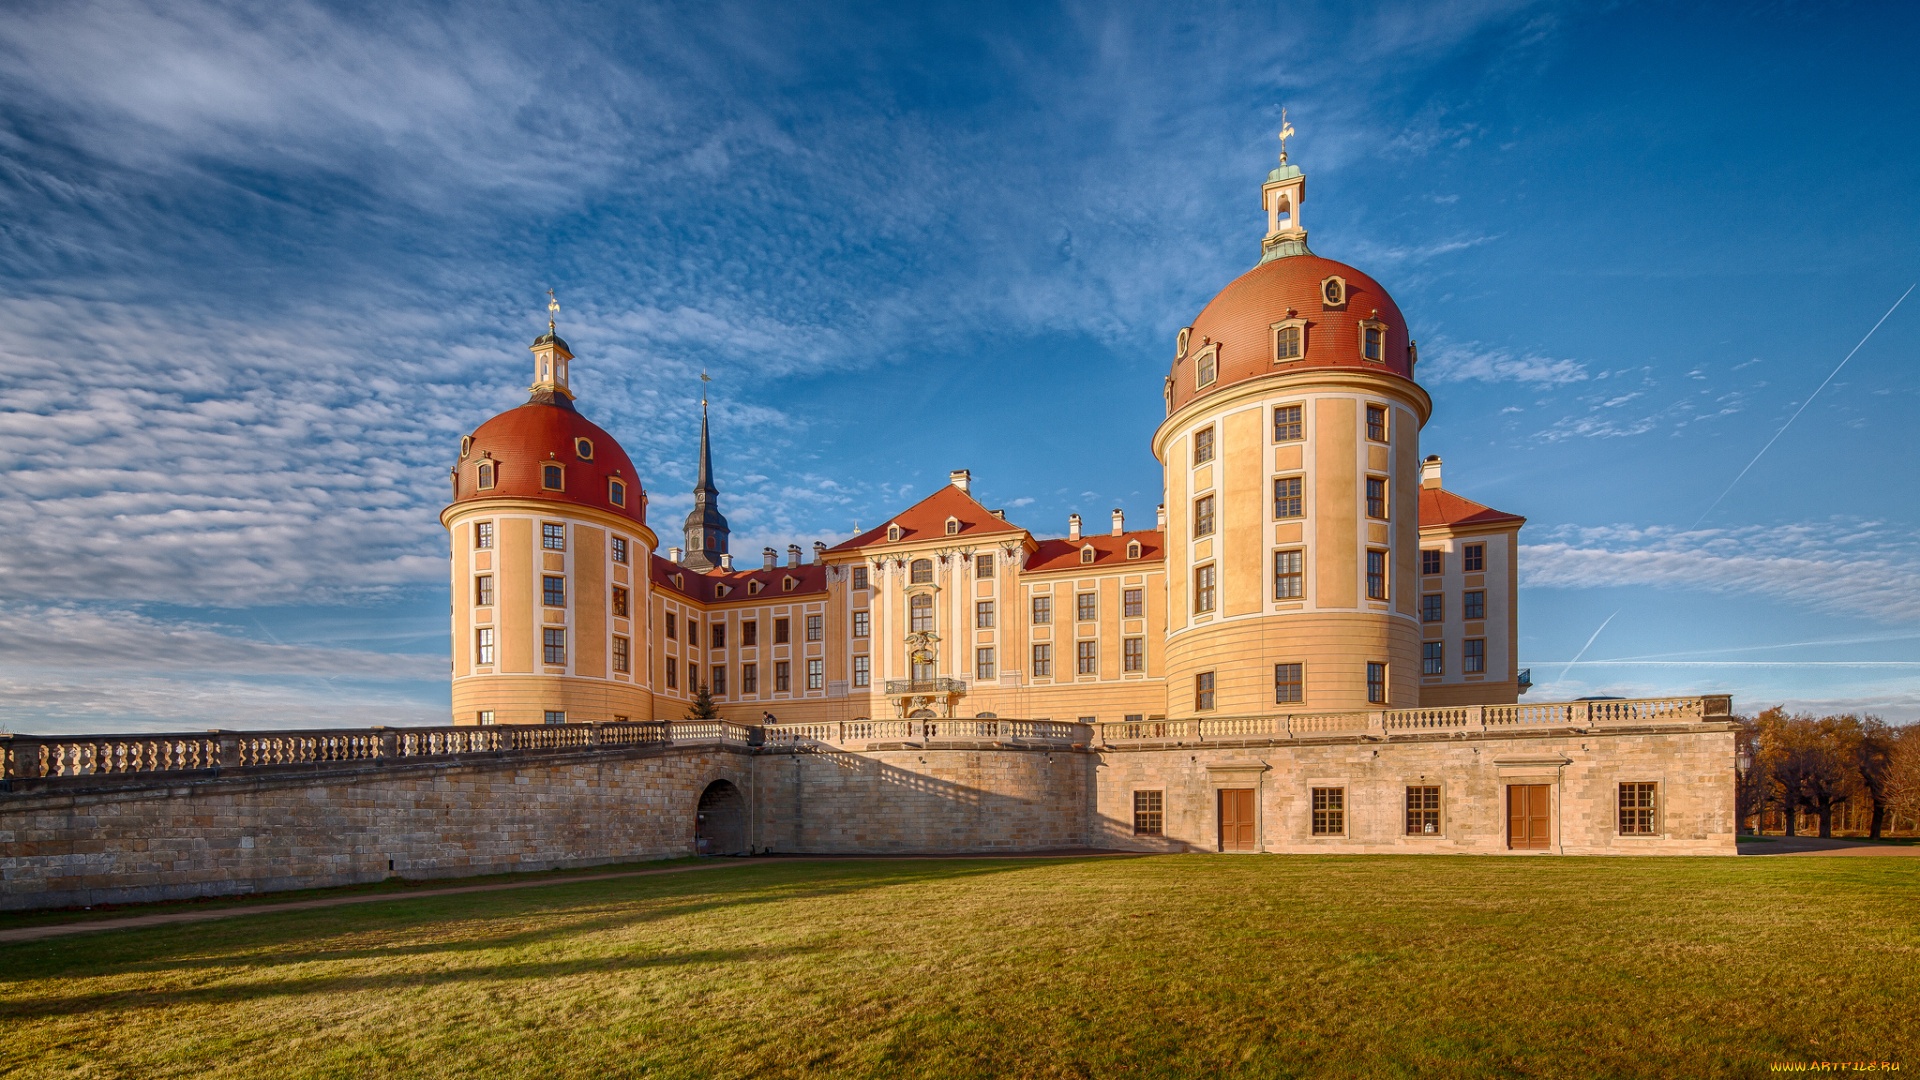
1461,719
924,687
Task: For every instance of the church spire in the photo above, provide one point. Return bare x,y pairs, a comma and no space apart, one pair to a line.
706,525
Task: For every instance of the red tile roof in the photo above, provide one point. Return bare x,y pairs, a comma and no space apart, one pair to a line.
1108,550
1441,507
927,519
521,440
704,588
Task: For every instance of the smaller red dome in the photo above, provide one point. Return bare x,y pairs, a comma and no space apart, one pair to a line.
519,444
1241,319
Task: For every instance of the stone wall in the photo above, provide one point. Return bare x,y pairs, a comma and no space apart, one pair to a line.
242,834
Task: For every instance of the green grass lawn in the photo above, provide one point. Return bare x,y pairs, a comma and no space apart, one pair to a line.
1204,966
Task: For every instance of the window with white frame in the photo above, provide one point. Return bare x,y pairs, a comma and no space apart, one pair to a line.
1203,589
1086,658
1042,661
1289,578
816,674
1203,516
1134,655
1288,500
862,671
983,663
1083,607
483,645
1433,658
1133,604
983,614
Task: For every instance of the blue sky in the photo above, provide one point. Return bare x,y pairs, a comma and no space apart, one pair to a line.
260,267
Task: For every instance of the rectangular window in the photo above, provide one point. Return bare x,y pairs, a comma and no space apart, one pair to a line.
553,478
1134,652
1149,813
814,623
1133,603
750,679
673,632
1288,685
1203,446
780,635
1203,516
1042,610
1207,367
1637,810
983,664
620,550
1377,683
983,614
1202,589
1423,811
1430,561
693,633
1377,423
622,655
859,577
983,566
816,674
1286,423
1376,498
1287,502
719,683
483,590
1083,607
1289,583
1376,575
1042,661
553,591
1475,657
554,642
1433,608
1370,342
717,637
1473,558
483,535
862,624
619,602
782,676
555,716
749,634
863,671
673,673
1329,811
553,536
483,645
1086,658
1286,344
1203,691
1433,658
1473,605
485,716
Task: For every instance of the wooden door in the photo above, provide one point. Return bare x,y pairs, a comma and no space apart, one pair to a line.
1528,811
1236,819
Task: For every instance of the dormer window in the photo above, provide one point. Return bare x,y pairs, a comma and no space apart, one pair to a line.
1133,549
754,587
679,582
953,526
1180,346
583,447
1333,291
1086,554
616,493
921,572
721,590
893,534
1289,339
553,477
466,445
483,476
1373,339
787,584
1206,367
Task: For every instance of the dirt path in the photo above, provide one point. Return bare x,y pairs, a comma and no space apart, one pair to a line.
1813,845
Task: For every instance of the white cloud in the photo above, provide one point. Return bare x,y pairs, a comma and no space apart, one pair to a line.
1447,361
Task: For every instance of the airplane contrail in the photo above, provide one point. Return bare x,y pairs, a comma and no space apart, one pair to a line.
1584,648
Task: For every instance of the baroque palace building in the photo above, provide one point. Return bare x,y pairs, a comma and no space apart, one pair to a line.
1306,559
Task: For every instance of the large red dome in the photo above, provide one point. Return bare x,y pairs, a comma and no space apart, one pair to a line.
1241,321
520,442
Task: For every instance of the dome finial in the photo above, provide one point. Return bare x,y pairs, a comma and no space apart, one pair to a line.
1286,131
553,306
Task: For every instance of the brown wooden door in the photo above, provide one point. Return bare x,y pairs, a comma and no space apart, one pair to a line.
1527,815
1236,819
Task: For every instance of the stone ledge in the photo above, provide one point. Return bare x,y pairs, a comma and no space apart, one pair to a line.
1402,739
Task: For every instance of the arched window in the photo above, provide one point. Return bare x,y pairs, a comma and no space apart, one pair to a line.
893,533
466,445
1086,554
1287,343
485,475
616,493
920,614
583,447
1371,338
922,572
553,478
1180,346
1133,549
953,526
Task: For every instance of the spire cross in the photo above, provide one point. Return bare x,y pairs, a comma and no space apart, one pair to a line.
1286,132
704,380
553,309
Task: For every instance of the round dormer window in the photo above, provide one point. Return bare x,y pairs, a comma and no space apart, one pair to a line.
584,448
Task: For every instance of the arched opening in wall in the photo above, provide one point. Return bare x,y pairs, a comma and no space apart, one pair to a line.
721,821
923,714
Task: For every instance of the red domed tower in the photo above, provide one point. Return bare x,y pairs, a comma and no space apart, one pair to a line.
550,549
1291,451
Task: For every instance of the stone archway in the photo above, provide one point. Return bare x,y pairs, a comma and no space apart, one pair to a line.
923,714
720,826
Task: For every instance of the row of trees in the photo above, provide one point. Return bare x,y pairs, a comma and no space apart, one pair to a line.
1818,764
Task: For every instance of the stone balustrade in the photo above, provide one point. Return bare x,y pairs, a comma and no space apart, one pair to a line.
1451,720
36,757
859,733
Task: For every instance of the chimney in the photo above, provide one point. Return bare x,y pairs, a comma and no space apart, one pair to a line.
793,554
726,561
768,558
673,554
1119,521
1073,526
1001,513
1430,472
819,552
962,479
1160,517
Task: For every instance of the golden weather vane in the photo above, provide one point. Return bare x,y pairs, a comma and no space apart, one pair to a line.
704,380
553,310
1286,132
